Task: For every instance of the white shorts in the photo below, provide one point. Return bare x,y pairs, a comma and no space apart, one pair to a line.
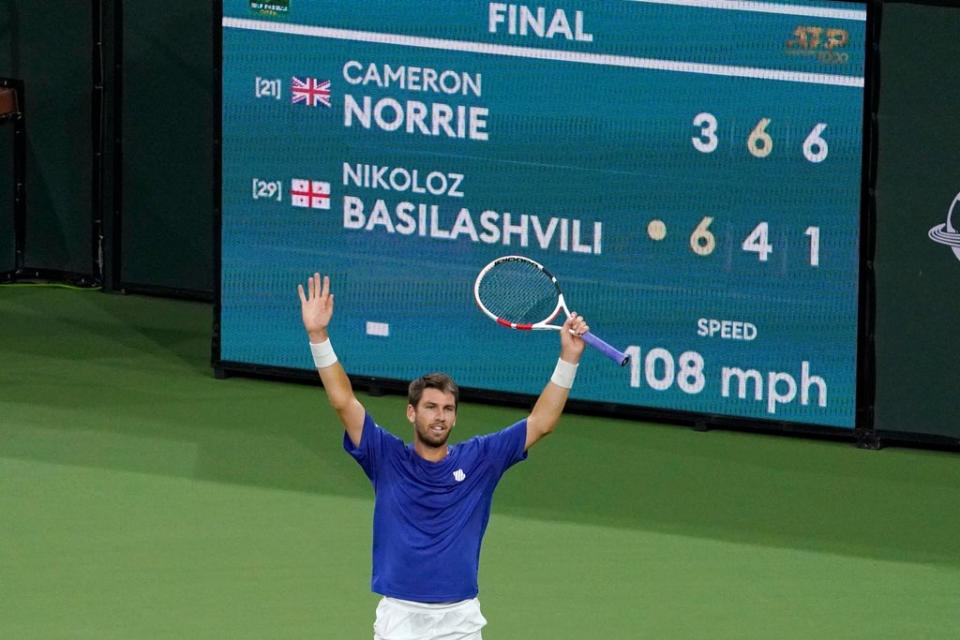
405,620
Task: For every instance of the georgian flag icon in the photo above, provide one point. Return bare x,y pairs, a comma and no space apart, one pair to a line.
310,194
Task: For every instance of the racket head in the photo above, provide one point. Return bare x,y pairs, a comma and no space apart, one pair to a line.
517,292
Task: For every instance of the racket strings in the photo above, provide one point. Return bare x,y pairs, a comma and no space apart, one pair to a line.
518,292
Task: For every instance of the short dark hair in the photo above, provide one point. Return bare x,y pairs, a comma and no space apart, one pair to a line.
436,380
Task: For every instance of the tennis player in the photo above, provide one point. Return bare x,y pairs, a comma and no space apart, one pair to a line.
432,499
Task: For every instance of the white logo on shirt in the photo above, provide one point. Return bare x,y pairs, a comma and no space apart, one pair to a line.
459,475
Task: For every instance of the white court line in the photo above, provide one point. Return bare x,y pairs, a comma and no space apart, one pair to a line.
764,7
544,54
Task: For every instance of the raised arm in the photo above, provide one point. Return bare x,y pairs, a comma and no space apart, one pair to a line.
316,307
546,412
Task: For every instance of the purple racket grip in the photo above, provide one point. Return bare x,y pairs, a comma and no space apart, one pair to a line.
611,352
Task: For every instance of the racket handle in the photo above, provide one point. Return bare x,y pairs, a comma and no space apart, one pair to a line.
611,352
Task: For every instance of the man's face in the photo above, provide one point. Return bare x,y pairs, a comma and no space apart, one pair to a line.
433,417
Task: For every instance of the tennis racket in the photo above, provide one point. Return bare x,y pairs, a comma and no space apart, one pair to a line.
519,293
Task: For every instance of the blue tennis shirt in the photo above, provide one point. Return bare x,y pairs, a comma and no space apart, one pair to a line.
429,517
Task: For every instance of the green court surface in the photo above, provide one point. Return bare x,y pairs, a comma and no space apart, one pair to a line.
142,498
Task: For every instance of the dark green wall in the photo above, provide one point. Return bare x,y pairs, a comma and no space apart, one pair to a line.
7,241
918,309
167,126
48,46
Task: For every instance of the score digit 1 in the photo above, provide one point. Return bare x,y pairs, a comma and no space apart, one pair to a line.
814,233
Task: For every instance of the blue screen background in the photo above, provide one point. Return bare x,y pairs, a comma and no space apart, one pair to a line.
566,140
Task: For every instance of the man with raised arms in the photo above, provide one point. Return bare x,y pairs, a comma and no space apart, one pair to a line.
432,499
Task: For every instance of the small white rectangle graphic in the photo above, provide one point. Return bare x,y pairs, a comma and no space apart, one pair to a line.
381,329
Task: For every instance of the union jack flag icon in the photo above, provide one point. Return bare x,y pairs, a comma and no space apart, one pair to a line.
310,91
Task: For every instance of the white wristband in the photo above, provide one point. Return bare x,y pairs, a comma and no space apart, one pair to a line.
564,374
323,355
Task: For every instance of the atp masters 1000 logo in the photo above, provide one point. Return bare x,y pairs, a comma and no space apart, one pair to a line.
824,43
271,8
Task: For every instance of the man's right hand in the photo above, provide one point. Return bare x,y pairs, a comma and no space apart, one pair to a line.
316,307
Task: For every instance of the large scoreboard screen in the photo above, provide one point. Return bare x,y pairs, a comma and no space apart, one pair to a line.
690,170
